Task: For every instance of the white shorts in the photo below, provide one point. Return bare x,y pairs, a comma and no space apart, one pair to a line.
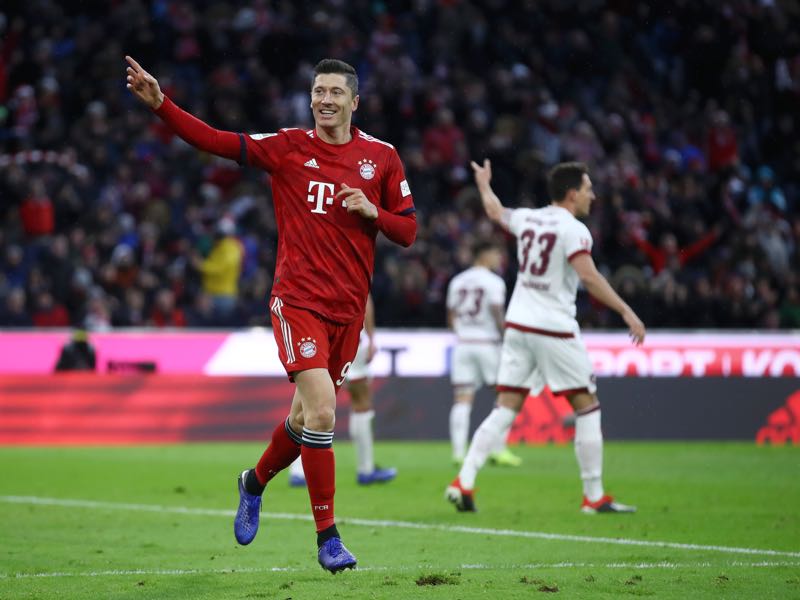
359,368
529,361
474,364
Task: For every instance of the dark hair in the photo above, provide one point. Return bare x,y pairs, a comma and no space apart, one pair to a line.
564,177
481,247
333,65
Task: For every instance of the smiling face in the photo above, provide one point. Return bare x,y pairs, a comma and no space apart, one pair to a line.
332,101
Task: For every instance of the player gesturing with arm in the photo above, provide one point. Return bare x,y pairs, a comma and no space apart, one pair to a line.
327,224
599,288
541,343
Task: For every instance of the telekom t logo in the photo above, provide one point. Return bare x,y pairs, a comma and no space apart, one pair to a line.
322,194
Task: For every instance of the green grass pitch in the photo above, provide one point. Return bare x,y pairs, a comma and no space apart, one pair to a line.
161,526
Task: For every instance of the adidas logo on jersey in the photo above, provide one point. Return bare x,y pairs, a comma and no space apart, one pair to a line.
312,163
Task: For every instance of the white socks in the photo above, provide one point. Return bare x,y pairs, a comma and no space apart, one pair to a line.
296,468
361,434
589,452
502,441
459,428
494,427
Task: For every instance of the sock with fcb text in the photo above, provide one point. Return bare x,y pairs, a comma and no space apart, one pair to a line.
282,450
459,428
484,441
361,434
319,465
589,451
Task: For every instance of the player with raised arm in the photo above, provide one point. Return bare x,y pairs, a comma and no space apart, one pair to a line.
334,188
476,300
361,412
542,343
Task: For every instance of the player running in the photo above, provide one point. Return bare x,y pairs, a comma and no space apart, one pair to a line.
361,412
334,188
542,343
476,300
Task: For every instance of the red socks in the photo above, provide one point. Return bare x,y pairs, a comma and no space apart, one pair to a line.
319,465
281,452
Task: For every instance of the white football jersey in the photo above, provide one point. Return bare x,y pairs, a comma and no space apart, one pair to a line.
544,294
469,296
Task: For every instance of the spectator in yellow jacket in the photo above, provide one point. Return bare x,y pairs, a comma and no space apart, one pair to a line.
221,270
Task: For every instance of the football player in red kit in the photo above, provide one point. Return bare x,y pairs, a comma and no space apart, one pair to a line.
334,188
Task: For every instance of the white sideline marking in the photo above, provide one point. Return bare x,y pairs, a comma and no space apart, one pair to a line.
470,567
397,524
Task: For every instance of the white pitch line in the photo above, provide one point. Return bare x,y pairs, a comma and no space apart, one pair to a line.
563,537
420,568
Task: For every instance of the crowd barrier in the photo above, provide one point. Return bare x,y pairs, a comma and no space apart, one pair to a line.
230,386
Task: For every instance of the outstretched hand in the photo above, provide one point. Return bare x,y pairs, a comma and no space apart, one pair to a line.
143,85
636,328
483,174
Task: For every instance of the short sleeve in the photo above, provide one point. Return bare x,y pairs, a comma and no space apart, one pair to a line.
265,150
396,194
513,220
451,294
497,292
577,240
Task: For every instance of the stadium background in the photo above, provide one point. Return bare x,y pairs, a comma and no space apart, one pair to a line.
686,115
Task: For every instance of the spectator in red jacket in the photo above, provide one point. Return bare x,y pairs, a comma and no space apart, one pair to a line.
668,254
49,313
36,212
165,313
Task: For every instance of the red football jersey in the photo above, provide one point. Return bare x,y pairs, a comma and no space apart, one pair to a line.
326,255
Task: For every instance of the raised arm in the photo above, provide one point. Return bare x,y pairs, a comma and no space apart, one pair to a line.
598,286
491,203
191,129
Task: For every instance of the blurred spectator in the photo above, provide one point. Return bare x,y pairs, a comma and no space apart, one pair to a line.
77,354
165,313
36,212
15,312
686,114
47,313
222,268
668,255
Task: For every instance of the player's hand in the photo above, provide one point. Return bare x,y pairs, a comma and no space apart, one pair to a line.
635,326
357,202
143,85
372,350
483,174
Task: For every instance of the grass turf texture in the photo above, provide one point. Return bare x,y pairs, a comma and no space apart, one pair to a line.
720,494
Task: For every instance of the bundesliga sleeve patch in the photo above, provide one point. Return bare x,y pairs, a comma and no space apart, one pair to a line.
404,189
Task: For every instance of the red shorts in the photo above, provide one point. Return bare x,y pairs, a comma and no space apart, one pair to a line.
307,341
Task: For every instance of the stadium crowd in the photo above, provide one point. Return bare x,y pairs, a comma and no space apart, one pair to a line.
686,113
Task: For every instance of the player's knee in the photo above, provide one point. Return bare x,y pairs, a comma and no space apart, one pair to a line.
512,400
296,422
320,419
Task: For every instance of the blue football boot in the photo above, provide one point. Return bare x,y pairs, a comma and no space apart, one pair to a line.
245,525
334,557
296,480
379,475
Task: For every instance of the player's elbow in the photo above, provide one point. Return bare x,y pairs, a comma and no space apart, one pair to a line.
495,213
409,239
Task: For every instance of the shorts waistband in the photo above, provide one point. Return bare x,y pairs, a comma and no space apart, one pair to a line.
536,330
